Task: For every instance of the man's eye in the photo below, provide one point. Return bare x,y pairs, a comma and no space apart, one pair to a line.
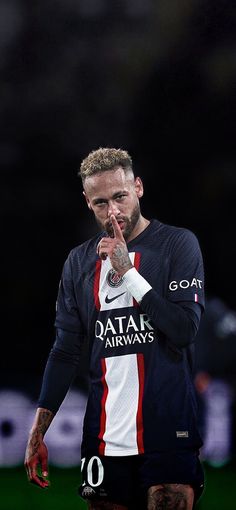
119,197
101,202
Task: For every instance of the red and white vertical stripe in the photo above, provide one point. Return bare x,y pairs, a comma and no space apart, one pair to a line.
102,289
121,423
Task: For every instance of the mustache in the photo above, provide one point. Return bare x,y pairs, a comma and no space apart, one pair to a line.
109,227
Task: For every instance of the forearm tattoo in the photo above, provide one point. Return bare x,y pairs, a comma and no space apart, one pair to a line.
44,420
33,444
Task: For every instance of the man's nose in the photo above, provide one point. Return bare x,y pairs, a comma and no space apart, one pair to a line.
112,208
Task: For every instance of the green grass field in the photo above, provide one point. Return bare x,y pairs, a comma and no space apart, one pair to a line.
18,494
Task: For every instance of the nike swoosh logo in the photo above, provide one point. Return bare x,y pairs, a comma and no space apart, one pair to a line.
109,300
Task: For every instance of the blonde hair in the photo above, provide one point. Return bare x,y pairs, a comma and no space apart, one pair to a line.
104,159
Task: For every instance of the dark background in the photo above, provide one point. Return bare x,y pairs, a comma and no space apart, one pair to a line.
154,77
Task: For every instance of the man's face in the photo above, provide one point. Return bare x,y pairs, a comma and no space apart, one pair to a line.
114,192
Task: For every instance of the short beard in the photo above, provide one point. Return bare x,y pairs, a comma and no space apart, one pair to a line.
130,223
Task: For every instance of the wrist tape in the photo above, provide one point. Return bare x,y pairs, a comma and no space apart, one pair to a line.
136,284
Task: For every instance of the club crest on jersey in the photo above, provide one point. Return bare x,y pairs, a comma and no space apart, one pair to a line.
113,279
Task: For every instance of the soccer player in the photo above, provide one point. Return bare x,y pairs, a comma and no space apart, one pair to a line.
135,293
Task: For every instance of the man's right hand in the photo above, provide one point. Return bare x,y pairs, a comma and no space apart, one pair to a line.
36,460
36,455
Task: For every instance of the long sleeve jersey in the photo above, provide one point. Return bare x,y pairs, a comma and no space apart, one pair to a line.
142,397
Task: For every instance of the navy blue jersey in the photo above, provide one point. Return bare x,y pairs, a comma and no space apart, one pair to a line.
141,396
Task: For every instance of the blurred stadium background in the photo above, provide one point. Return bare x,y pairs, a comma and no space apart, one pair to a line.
158,79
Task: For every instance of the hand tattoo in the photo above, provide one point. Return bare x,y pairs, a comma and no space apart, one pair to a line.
120,258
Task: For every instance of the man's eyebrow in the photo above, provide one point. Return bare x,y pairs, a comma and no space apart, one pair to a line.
121,192
99,199
115,195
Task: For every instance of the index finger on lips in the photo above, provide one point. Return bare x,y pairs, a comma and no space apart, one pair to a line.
117,231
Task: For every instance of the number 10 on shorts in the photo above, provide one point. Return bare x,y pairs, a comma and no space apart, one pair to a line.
92,472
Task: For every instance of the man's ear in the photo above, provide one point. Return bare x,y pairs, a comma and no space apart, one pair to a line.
87,200
138,187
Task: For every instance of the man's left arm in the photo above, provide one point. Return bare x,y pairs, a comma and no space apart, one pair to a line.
178,313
